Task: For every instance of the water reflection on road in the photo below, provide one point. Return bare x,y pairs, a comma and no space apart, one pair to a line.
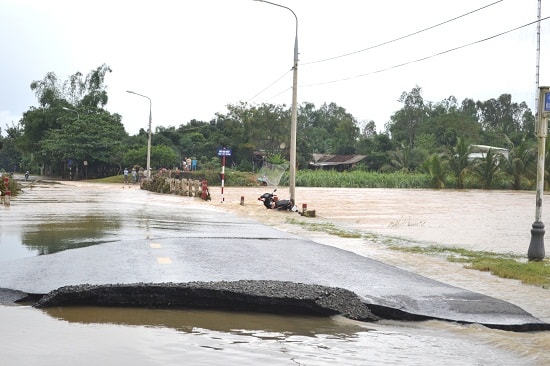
93,336
54,217
51,217
78,232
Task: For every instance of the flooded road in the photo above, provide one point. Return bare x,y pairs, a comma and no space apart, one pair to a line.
51,218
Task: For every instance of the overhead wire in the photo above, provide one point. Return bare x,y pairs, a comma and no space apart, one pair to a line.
369,48
282,92
426,57
402,37
270,85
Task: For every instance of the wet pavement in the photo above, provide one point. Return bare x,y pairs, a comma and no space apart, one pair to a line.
193,242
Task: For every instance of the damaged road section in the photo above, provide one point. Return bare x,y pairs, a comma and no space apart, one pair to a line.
255,296
207,258
273,297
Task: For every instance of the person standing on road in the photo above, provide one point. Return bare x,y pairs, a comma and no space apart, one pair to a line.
125,175
134,175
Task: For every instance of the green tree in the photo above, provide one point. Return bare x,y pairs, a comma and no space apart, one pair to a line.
312,131
163,156
376,149
70,124
436,168
368,129
447,120
266,127
520,164
95,139
346,135
10,157
486,170
196,139
502,117
405,123
458,161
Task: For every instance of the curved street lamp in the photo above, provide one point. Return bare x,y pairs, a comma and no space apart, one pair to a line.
294,115
73,110
149,133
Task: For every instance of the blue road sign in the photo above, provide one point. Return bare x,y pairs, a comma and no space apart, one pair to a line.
546,102
224,152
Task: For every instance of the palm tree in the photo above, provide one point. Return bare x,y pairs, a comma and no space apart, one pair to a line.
487,169
520,164
436,168
400,158
458,161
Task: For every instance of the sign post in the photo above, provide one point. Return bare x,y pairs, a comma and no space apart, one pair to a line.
223,152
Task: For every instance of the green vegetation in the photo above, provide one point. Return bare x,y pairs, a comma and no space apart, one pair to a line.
330,178
359,179
232,177
502,265
326,227
509,266
425,144
111,179
70,134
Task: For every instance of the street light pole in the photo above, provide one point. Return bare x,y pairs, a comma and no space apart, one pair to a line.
294,112
73,110
536,246
149,133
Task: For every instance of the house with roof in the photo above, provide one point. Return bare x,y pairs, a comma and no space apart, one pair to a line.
335,162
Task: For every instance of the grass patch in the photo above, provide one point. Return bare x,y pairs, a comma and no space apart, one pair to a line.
111,179
502,265
325,227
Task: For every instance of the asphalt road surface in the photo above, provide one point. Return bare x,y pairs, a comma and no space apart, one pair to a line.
200,243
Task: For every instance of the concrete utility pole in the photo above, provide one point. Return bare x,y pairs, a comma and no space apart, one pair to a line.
294,113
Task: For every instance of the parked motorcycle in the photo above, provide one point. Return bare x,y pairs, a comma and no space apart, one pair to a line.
271,201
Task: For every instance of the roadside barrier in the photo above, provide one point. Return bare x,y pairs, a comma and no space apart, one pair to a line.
184,187
188,187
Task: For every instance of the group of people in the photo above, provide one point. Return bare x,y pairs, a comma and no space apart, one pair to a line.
188,164
136,175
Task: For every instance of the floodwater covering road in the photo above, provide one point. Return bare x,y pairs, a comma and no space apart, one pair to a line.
51,218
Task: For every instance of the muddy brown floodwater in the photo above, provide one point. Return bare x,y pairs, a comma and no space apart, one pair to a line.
496,221
479,220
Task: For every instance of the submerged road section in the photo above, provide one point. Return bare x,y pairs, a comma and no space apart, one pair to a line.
167,244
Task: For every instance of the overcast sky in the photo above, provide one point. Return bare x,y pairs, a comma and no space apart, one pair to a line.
192,58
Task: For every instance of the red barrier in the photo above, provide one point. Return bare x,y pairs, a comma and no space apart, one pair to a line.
205,194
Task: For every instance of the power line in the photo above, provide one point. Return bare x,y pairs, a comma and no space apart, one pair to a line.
269,86
369,48
282,92
400,38
426,57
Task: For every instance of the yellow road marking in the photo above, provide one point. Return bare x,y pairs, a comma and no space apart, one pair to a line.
155,246
164,260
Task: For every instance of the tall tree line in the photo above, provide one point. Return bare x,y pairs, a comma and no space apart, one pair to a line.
70,128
